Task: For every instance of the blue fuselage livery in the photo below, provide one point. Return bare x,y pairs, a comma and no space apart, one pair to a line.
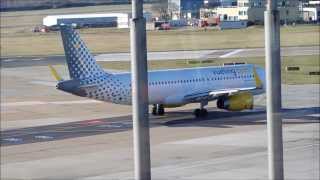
233,86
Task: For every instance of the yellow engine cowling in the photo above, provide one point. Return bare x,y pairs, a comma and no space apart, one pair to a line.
236,102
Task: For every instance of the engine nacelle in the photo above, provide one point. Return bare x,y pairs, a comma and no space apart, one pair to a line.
237,102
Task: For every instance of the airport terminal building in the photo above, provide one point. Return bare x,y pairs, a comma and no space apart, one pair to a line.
253,11
184,9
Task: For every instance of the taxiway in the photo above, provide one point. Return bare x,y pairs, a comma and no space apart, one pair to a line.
48,134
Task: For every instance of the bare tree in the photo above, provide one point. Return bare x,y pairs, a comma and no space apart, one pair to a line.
173,8
161,8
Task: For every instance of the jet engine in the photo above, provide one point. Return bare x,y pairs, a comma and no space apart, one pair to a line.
236,102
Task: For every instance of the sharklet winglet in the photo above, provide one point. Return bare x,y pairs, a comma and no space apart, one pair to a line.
257,78
55,73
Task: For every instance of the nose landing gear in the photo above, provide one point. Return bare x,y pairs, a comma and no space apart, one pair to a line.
158,109
199,113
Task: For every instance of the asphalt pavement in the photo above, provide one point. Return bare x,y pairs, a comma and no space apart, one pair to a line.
170,55
216,118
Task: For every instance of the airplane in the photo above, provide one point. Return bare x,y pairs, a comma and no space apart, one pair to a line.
232,86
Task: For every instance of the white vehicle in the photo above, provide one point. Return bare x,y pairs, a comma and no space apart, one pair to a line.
232,86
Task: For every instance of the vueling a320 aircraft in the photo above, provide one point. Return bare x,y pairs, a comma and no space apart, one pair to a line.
232,86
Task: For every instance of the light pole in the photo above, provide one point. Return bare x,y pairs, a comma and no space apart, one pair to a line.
139,81
273,68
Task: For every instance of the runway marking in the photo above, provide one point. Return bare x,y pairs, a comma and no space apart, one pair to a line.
90,122
44,137
115,125
315,115
34,103
37,59
24,103
13,139
45,83
8,60
110,126
231,53
171,55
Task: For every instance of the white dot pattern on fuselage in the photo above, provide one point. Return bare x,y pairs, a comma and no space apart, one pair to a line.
110,88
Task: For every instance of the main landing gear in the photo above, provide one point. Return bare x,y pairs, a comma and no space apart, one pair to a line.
158,109
202,112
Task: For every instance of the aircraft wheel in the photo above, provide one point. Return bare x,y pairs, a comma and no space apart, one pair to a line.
197,112
154,109
204,112
160,110
200,113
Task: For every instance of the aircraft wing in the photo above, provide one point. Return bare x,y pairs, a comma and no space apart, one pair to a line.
212,95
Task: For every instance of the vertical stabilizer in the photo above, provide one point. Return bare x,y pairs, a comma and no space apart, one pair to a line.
81,63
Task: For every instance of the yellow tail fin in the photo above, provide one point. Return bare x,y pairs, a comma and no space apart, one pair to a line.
54,73
257,79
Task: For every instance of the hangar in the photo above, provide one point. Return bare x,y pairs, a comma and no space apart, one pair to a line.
120,20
